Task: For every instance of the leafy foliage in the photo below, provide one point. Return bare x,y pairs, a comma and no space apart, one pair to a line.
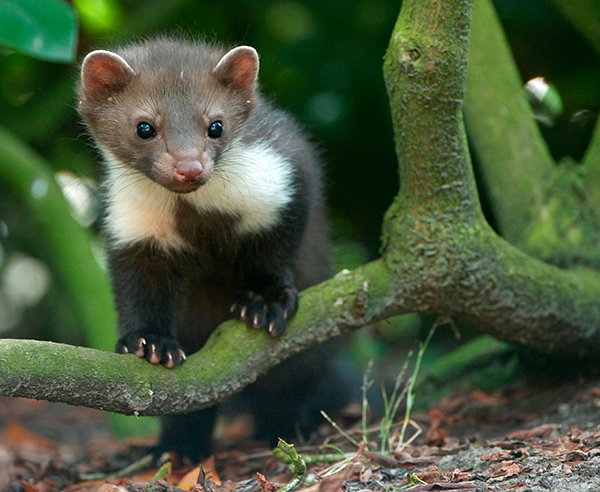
46,30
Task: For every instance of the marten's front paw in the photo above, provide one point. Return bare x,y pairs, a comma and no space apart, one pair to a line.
269,311
155,349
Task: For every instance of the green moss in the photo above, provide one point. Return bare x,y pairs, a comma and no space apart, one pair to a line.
565,228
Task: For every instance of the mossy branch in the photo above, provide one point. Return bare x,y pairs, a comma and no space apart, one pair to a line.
500,297
514,160
591,164
233,357
436,240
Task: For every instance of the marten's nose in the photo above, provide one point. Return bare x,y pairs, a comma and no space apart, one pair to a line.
189,171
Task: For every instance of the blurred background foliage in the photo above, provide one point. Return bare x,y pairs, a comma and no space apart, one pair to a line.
320,59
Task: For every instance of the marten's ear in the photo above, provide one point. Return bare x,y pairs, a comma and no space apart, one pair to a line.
238,69
103,73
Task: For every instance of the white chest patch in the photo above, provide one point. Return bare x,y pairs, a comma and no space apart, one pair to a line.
138,208
251,182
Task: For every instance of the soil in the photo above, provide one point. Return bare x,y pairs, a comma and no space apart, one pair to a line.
526,438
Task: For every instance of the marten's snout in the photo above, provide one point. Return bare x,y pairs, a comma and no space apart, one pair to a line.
189,172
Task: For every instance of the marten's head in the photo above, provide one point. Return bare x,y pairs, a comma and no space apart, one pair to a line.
167,109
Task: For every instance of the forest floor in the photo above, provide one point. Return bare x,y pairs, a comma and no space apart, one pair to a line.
526,438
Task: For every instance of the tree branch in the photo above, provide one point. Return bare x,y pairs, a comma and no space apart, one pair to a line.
233,357
591,164
513,157
436,239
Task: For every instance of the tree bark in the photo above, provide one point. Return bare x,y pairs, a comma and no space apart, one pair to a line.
440,256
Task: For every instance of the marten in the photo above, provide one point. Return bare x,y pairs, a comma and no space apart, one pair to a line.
214,210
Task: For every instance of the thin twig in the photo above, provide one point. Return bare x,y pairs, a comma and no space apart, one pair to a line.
298,466
339,429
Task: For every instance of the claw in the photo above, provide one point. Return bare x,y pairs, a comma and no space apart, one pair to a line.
154,348
153,358
170,362
140,352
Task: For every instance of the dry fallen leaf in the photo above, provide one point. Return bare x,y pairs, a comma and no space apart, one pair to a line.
265,485
539,431
333,483
109,487
431,475
191,478
506,469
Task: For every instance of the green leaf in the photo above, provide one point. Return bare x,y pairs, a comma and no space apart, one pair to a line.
44,29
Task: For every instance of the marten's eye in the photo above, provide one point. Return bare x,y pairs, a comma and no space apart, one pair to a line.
145,130
215,130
